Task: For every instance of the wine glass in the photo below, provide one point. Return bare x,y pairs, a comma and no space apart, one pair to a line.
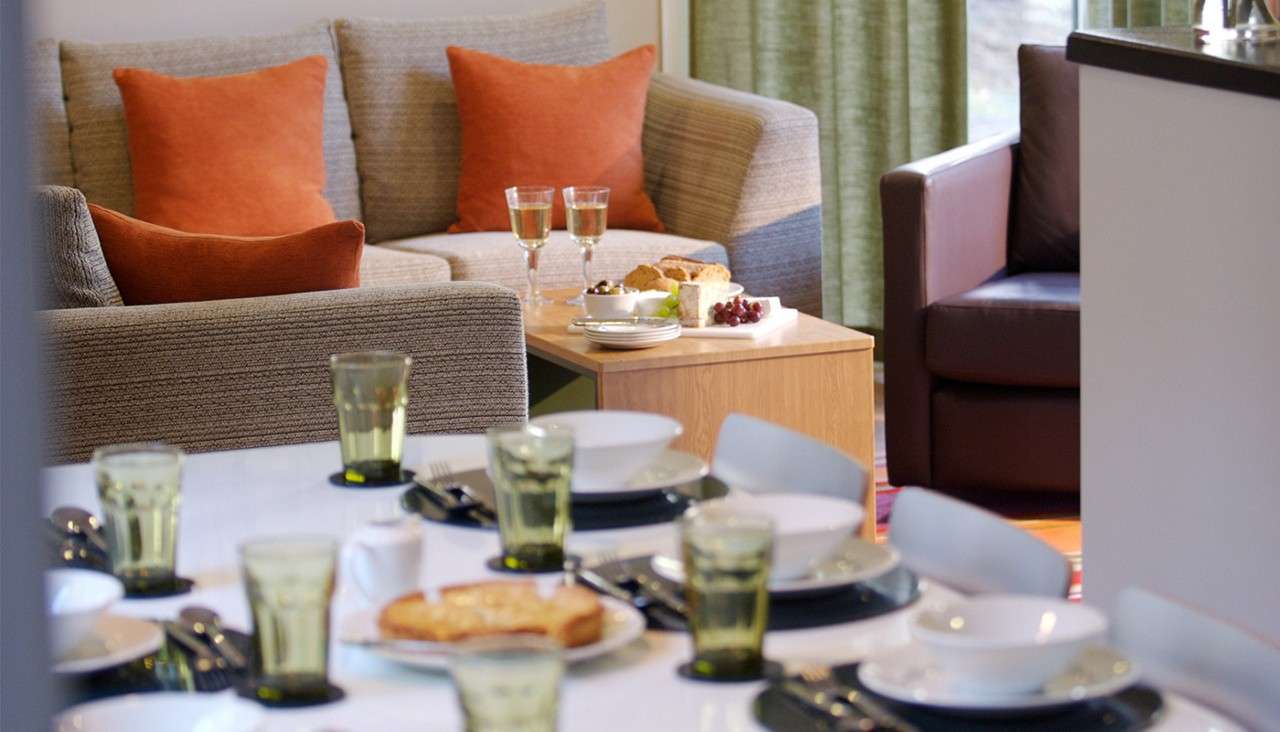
530,209
587,211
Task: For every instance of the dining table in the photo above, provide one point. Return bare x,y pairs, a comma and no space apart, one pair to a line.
232,496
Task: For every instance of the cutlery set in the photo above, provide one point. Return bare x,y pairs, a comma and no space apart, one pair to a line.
448,497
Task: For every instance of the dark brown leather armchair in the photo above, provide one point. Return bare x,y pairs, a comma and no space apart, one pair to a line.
982,302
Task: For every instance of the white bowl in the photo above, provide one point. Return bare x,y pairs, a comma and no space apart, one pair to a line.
75,600
603,307
1007,644
612,447
167,710
809,528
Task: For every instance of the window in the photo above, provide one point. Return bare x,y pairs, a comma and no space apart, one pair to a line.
996,28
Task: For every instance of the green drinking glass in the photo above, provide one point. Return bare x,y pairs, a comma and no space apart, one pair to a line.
371,392
289,581
531,469
140,488
508,683
727,554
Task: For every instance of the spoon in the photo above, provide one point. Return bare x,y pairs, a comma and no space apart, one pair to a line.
79,522
207,623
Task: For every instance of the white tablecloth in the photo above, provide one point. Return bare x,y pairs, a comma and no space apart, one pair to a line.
232,496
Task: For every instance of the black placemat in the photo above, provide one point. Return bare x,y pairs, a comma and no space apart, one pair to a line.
339,479
1134,708
660,508
891,591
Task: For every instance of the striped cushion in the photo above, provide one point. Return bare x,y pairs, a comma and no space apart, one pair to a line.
402,106
382,267
50,148
494,256
99,143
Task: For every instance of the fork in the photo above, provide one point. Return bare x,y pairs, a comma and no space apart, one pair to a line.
824,683
457,496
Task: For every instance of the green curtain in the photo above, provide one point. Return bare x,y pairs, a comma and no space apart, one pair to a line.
887,81
1138,13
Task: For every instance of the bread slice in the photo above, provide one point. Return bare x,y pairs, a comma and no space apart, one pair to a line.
571,615
686,269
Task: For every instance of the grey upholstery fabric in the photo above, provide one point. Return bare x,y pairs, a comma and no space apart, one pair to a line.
402,105
76,274
249,372
494,256
99,140
382,267
740,169
50,147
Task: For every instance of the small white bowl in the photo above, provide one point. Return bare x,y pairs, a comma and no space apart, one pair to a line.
1007,644
75,600
611,447
809,528
603,307
167,710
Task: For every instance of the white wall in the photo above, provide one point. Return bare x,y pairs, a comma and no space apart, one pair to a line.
1181,344
631,22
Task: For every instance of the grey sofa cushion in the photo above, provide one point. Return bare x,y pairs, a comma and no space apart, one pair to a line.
50,146
402,105
76,271
99,140
494,256
382,267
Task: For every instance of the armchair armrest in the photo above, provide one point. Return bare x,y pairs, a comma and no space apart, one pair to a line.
250,372
743,170
946,224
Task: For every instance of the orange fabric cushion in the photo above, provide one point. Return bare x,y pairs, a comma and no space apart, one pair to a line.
153,264
240,154
533,124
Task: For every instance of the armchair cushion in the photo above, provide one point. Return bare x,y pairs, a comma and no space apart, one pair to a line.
99,140
492,256
402,104
1014,331
1046,216
50,147
77,273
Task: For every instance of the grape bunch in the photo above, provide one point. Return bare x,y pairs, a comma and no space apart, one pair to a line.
737,311
671,306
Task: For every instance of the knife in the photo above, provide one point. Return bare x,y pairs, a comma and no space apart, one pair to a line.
656,590
660,614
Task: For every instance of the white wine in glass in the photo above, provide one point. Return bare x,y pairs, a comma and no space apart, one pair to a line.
530,210
587,214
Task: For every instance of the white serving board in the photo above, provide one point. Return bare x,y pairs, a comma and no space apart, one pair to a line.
750,331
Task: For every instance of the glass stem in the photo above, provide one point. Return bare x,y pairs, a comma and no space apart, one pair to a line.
586,267
531,263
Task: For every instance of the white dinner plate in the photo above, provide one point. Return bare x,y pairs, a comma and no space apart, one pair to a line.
622,625
117,639
672,468
855,561
171,711
909,674
733,290
629,330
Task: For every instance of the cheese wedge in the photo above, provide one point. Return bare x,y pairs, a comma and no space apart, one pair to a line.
697,302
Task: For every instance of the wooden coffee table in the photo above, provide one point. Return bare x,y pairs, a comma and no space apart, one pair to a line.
812,376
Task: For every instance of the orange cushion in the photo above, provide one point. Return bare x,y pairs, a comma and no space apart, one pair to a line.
533,124
153,264
240,154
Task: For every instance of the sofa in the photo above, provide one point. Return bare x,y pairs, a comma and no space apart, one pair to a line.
734,178
982,306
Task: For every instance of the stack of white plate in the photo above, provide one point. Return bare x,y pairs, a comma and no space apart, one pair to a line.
631,335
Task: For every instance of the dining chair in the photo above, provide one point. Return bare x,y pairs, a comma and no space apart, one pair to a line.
971,549
761,457
1199,656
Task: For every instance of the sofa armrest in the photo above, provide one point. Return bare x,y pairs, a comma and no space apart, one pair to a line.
249,372
742,170
946,224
